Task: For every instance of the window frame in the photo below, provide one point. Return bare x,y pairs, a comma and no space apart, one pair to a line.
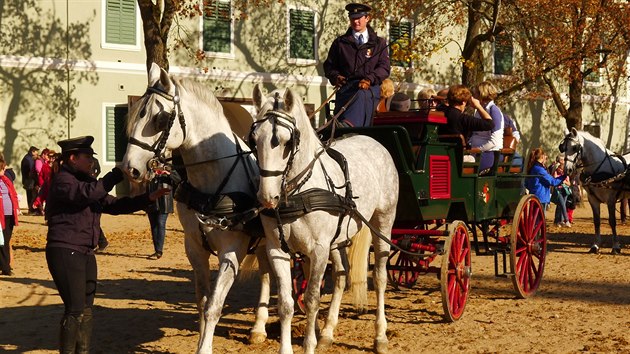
494,54
211,54
302,61
117,46
389,39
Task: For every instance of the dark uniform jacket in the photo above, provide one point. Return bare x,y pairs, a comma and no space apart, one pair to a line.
74,206
368,61
458,122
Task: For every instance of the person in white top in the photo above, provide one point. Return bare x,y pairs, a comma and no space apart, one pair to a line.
490,141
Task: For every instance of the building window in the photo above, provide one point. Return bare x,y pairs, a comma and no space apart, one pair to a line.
121,25
115,137
400,41
217,26
503,54
302,37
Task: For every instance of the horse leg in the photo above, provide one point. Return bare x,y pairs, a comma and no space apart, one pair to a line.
231,248
595,207
339,275
199,260
319,260
383,223
258,333
281,264
612,221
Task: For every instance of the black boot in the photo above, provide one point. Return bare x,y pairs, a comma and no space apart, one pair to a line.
69,333
85,332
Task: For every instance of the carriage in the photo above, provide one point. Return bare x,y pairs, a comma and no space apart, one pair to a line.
442,199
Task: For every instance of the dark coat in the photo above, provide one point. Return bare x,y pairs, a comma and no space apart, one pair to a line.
27,168
368,61
458,122
74,206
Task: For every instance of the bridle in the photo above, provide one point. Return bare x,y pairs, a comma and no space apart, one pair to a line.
576,158
158,147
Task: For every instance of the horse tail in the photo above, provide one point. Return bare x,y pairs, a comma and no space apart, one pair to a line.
358,260
248,269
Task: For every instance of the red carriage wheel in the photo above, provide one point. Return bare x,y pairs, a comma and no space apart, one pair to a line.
528,246
402,267
455,272
299,283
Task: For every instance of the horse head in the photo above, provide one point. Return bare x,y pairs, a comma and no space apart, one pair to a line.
276,137
572,147
151,127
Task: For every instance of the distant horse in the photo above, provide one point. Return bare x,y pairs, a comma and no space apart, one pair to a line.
310,194
602,173
184,115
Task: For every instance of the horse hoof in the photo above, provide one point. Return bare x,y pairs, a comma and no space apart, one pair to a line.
380,346
594,249
257,337
324,343
616,251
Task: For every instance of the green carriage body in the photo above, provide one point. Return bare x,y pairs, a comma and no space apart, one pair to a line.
435,184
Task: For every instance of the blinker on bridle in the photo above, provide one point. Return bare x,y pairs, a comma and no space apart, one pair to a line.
158,146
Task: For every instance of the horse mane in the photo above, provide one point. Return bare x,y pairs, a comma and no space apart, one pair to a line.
195,89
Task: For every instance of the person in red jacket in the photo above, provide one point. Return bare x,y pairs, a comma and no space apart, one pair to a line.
44,173
9,211
73,210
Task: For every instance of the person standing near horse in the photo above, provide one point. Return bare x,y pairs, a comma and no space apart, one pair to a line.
560,194
357,64
9,211
73,210
539,182
27,167
158,211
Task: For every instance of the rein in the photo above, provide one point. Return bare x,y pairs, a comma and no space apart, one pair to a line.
579,162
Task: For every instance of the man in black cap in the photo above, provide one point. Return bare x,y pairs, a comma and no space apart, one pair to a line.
357,63
74,206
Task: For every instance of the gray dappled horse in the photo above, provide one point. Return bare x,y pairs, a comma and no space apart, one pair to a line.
185,115
602,176
299,174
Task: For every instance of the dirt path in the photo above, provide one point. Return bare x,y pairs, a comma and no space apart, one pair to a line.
146,306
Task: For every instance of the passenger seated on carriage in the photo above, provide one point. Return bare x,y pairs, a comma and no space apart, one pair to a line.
400,102
387,92
489,142
458,122
426,99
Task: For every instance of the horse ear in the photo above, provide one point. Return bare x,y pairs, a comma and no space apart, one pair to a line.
574,132
289,100
154,74
257,97
165,80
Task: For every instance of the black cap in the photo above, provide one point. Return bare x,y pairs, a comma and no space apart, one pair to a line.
79,144
357,10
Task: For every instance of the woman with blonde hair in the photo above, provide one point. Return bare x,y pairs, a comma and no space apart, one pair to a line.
490,141
425,99
387,92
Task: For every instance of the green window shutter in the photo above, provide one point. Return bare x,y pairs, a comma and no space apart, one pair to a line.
217,26
301,34
400,34
115,137
120,22
503,54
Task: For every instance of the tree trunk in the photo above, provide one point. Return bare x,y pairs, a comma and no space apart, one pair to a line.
574,112
10,133
154,38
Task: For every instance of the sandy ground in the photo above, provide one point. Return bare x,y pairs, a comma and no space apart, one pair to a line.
147,306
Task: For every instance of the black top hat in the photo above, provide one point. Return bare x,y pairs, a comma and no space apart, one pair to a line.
77,145
357,10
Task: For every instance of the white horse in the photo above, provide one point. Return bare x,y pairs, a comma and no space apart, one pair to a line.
601,175
310,210
222,177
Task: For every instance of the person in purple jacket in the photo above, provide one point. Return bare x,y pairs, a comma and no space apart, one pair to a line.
357,64
75,203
